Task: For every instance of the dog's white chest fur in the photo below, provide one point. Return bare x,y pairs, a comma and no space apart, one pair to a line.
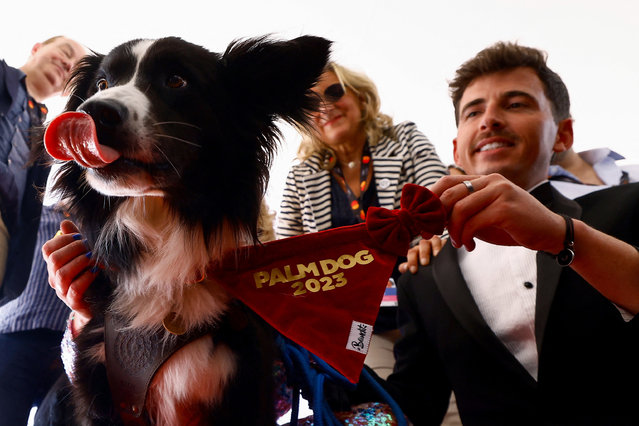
165,284
166,277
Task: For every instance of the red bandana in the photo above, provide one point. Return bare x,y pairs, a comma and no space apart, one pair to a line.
323,290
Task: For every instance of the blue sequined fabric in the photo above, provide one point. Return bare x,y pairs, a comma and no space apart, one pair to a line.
369,414
283,392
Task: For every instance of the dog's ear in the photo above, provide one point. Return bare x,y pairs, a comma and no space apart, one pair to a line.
256,81
80,85
275,77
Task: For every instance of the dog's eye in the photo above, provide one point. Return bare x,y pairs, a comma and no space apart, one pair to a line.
102,84
175,82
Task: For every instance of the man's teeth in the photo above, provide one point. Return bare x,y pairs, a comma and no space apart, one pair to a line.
493,145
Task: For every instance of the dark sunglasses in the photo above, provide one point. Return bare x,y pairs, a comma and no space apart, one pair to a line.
333,93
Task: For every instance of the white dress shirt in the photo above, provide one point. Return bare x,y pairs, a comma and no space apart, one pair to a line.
506,295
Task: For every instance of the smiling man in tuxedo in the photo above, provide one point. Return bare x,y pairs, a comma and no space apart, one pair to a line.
529,314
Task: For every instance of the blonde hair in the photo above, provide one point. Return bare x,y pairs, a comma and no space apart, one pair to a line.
376,123
266,223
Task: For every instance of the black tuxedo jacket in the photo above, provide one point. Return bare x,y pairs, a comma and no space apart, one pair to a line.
588,355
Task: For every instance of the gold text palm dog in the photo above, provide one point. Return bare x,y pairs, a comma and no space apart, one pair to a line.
325,273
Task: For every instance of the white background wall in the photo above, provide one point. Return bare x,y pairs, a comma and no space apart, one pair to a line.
409,48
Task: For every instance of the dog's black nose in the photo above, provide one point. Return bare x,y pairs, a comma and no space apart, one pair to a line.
105,112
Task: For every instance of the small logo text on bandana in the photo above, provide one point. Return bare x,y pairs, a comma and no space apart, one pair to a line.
360,337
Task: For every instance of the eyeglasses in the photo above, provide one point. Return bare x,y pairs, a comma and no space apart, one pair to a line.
334,93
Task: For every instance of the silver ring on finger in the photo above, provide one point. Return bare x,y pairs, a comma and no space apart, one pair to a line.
468,184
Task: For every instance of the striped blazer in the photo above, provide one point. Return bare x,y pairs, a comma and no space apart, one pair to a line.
306,202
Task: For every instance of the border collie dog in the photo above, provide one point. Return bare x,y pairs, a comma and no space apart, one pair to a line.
189,135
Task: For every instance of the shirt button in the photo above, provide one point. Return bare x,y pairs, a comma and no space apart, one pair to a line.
528,284
384,183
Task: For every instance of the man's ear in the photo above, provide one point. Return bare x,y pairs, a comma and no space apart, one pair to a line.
35,48
455,156
565,137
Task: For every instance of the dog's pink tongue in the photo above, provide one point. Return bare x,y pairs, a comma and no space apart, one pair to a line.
72,136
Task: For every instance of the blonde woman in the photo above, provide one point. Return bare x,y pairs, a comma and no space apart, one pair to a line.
355,158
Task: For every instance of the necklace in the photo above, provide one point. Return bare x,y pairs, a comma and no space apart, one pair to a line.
366,173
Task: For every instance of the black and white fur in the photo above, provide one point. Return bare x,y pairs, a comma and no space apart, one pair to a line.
196,132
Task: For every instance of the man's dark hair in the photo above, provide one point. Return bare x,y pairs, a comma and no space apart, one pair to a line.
504,56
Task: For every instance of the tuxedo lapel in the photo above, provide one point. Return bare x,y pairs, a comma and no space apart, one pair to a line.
548,270
454,290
